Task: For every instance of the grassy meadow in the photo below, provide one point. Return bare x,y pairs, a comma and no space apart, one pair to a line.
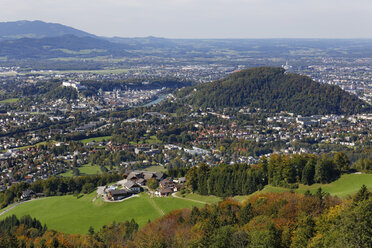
75,215
72,215
210,199
10,100
96,139
86,169
346,185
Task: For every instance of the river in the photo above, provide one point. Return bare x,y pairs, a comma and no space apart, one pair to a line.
159,99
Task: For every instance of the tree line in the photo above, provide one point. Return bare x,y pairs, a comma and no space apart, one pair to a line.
278,170
56,186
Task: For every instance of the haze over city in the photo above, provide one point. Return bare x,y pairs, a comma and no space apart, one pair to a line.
202,19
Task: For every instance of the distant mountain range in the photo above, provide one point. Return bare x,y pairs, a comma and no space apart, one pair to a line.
40,40
62,46
37,29
274,90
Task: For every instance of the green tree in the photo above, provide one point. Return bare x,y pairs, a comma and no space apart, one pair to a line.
222,238
152,183
325,171
362,195
342,162
304,232
76,172
245,214
308,173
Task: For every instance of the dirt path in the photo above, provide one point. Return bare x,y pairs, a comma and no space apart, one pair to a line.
187,199
153,203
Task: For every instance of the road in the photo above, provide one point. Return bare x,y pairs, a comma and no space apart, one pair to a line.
17,204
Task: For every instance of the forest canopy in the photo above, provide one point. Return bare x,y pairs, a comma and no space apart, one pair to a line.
275,90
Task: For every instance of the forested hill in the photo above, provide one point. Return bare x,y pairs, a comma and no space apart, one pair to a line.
61,46
273,89
37,29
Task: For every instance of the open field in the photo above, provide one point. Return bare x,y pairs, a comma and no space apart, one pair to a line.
96,139
86,169
81,52
72,215
105,71
37,144
149,140
348,184
10,100
210,199
153,140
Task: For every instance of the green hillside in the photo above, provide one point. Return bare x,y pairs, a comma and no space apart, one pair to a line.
273,89
72,215
346,185
37,29
59,47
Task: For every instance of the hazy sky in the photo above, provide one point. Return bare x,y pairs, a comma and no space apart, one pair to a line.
202,18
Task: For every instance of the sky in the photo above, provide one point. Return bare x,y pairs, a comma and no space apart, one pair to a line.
201,18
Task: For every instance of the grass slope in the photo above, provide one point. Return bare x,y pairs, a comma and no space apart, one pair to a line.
86,169
347,184
72,215
10,100
203,198
96,139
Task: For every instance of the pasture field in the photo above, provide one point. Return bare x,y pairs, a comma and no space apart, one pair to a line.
10,100
96,139
210,199
86,169
72,215
347,184
101,72
75,215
